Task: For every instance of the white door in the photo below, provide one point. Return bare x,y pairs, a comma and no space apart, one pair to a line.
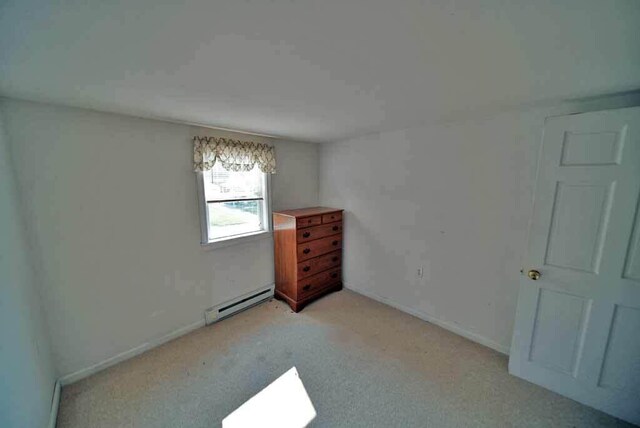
577,328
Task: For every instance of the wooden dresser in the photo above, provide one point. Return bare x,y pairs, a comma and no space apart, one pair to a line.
308,254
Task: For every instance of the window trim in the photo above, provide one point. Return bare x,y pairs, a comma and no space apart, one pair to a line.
235,239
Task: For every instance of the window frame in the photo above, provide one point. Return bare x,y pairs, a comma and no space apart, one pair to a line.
267,218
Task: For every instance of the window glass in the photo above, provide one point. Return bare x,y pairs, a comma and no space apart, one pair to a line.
235,202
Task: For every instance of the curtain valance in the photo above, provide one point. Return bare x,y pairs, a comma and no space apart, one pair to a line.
233,155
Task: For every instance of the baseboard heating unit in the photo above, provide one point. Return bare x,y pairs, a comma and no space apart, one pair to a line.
233,306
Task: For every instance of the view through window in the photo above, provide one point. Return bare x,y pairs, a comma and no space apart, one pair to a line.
235,202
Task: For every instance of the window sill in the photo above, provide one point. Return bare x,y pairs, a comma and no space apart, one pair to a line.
236,240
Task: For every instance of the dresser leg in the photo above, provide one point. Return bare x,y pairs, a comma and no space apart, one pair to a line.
295,306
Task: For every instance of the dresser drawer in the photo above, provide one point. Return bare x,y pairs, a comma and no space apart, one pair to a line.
318,247
317,232
315,283
318,264
308,221
329,218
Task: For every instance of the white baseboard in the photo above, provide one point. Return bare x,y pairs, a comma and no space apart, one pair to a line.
454,328
55,403
86,372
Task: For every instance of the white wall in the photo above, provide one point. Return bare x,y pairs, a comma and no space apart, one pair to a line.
113,205
27,374
454,198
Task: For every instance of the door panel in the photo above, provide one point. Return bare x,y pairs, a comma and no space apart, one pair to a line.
632,263
577,327
593,148
558,331
621,368
578,226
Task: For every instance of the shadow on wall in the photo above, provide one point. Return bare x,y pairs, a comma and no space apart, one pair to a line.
28,376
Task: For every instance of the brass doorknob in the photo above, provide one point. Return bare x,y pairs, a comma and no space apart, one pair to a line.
533,275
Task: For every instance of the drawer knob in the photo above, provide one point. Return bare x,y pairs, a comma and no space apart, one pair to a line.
334,243
335,228
306,268
306,287
306,251
334,259
306,234
334,275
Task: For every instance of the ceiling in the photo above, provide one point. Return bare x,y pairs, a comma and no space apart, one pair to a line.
315,70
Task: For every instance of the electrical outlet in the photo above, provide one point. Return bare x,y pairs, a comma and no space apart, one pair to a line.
420,272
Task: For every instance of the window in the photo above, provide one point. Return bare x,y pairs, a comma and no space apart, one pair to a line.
233,204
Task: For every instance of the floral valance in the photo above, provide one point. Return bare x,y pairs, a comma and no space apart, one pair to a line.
233,155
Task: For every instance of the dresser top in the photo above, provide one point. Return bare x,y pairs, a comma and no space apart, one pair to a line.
307,212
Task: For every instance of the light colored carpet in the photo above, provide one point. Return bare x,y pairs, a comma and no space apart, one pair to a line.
363,363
